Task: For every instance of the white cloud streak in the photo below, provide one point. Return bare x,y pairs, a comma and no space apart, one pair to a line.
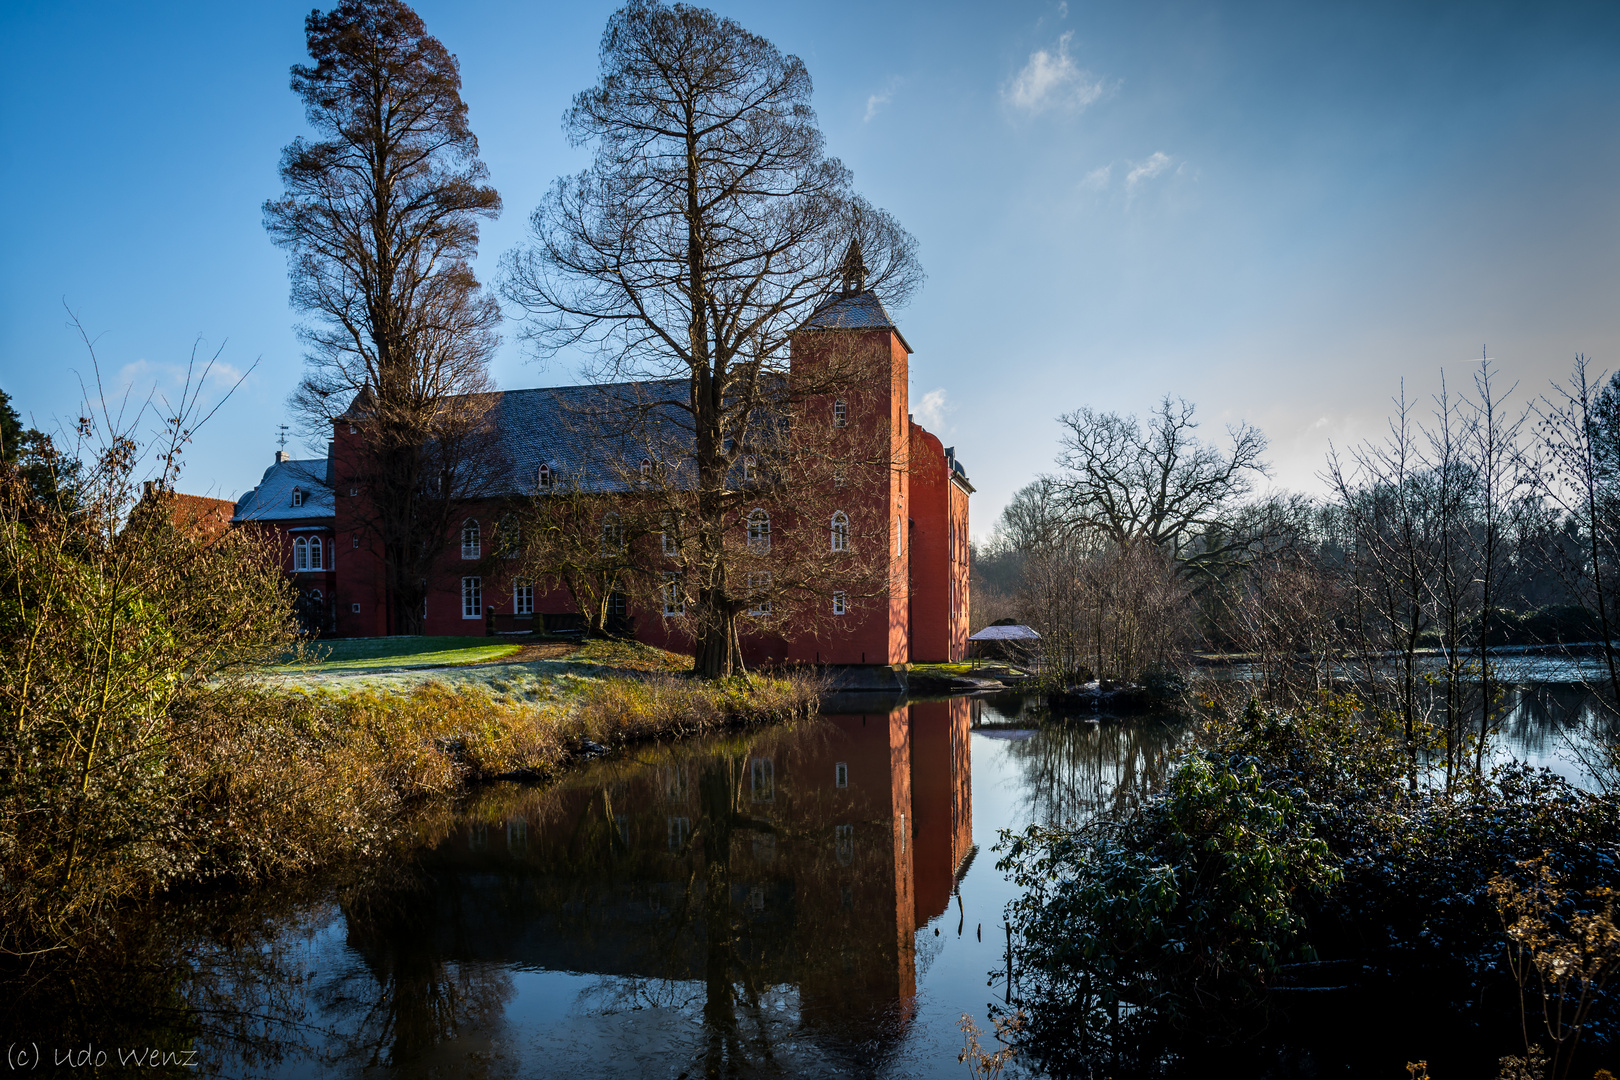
1147,170
932,410
876,101
1053,80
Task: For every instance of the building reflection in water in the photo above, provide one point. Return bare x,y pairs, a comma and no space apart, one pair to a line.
770,885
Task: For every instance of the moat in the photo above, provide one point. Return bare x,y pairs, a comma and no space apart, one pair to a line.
818,900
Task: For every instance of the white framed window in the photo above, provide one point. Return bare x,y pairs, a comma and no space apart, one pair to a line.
668,541
840,604
545,477
841,774
353,430
612,533
762,777
317,557
354,608
472,540
298,497
522,598
759,591
759,530
674,602
750,469
646,469
355,540
840,413
300,554
840,531
472,598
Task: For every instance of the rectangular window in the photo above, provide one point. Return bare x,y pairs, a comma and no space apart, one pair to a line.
356,539
674,602
616,604
841,774
840,604
522,598
844,843
759,590
472,598
354,608
840,414
762,773
680,829
670,543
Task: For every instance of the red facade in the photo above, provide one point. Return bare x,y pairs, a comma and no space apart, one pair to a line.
920,510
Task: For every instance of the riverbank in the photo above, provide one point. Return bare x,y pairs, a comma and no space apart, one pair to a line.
272,772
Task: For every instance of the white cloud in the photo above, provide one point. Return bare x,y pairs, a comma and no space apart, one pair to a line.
1063,9
1097,179
932,410
1147,170
881,98
1053,80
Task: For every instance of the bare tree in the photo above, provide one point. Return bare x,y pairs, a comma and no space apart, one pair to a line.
1575,477
1157,484
708,228
380,220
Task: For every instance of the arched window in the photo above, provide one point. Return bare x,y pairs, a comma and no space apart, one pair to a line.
472,541
315,595
612,532
840,531
300,554
759,530
840,413
315,560
646,469
510,537
545,477
750,469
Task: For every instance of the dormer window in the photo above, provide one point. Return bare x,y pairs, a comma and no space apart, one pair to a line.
750,472
545,478
646,469
840,413
298,497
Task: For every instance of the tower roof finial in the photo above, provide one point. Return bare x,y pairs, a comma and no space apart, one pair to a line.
853,270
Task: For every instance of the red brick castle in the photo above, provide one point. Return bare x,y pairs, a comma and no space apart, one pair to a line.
921,511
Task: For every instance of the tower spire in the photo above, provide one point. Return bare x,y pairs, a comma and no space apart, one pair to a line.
853,270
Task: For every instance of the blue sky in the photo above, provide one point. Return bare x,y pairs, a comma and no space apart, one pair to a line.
1278,211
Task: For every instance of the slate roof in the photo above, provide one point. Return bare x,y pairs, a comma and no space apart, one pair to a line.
862,311
591,435
272,499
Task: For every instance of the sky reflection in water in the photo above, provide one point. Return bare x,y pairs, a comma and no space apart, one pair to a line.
814,901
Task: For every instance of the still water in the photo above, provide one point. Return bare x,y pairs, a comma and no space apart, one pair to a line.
820,900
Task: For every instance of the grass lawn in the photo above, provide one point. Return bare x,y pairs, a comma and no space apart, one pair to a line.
353,655
401,664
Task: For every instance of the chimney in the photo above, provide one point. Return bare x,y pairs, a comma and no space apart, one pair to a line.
281,456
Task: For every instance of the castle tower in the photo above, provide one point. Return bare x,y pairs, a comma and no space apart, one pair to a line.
852,350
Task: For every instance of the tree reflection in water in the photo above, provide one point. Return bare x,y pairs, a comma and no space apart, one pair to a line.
1080,767
744,905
